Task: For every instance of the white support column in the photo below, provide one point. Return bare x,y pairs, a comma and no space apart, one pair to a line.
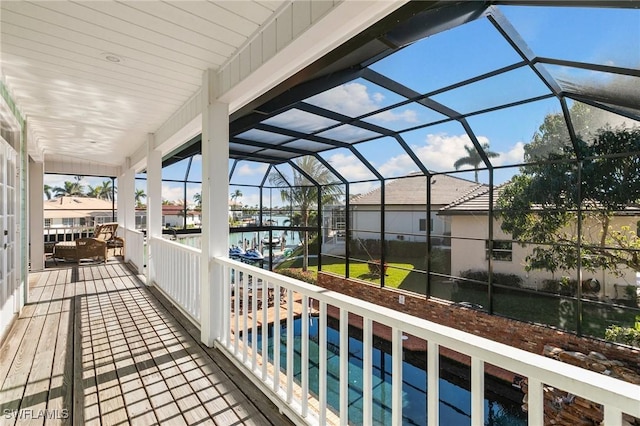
36,216
154,201
215,206
126,196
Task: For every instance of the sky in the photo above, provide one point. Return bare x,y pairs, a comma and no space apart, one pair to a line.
604,36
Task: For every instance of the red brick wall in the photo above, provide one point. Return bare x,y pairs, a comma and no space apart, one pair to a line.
529,337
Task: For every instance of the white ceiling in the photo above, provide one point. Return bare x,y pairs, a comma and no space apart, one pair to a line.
79,104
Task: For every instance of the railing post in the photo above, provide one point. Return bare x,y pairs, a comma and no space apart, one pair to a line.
215,206
535,402
477,392
154,203
433,384
396,377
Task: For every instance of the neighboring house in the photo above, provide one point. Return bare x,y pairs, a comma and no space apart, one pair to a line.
406,216
173,217
77,211
469,221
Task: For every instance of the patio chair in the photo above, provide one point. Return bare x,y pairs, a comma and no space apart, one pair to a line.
90,248
107,232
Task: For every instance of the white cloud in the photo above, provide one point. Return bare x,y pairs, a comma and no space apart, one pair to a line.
514,156
441,151
257,170
407,115
350,167
354,99
175,192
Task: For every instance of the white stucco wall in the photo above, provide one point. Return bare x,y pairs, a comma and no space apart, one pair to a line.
403,221
469,233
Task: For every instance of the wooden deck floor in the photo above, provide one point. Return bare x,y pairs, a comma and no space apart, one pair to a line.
95,346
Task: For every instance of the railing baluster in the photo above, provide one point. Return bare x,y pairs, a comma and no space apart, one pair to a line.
304,354
396,377
322,361
612,416
290,350
477,392
367,371
226,303
276,338
344,367
236,308
535,401
265,328
433,385
245,318
254,321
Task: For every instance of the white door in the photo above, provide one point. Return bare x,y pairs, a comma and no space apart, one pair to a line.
9,290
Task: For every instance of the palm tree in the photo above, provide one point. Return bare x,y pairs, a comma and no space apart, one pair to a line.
139,196
106,190
473,158
304,196
197,198
71,189
93,192
235,195
47,191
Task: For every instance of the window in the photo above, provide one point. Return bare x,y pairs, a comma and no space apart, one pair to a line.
423,224
502,250
47,223
67,221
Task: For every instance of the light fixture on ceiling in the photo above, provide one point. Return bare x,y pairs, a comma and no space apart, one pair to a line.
111,57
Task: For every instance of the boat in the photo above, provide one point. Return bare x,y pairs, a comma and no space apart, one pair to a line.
274,241
251,255
236,252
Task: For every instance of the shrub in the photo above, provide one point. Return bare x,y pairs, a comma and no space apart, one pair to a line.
510,280
375,269
308,276
625,335
564,286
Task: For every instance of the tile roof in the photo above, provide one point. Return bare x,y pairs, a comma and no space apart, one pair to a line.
78,203
412,190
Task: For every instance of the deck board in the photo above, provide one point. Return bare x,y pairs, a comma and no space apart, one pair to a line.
94,346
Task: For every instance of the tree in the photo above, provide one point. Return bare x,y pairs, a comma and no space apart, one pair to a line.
93,192
599,179
47,191
106,190
71,189
473,158
303,195
235,195
139,195
197,198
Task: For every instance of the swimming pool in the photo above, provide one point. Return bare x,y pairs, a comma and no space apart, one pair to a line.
455,397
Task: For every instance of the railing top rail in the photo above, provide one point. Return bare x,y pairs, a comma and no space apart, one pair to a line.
133,231
578,381
175,245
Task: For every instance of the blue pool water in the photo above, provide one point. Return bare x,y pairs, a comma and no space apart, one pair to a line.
455,398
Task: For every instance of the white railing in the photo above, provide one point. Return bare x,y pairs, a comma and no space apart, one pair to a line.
134,248
243,314
67,233
191,240
176,271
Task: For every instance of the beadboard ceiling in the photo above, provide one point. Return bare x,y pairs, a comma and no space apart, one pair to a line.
94,78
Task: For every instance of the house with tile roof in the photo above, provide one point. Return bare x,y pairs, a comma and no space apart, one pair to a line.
468,218
406,214
77,211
